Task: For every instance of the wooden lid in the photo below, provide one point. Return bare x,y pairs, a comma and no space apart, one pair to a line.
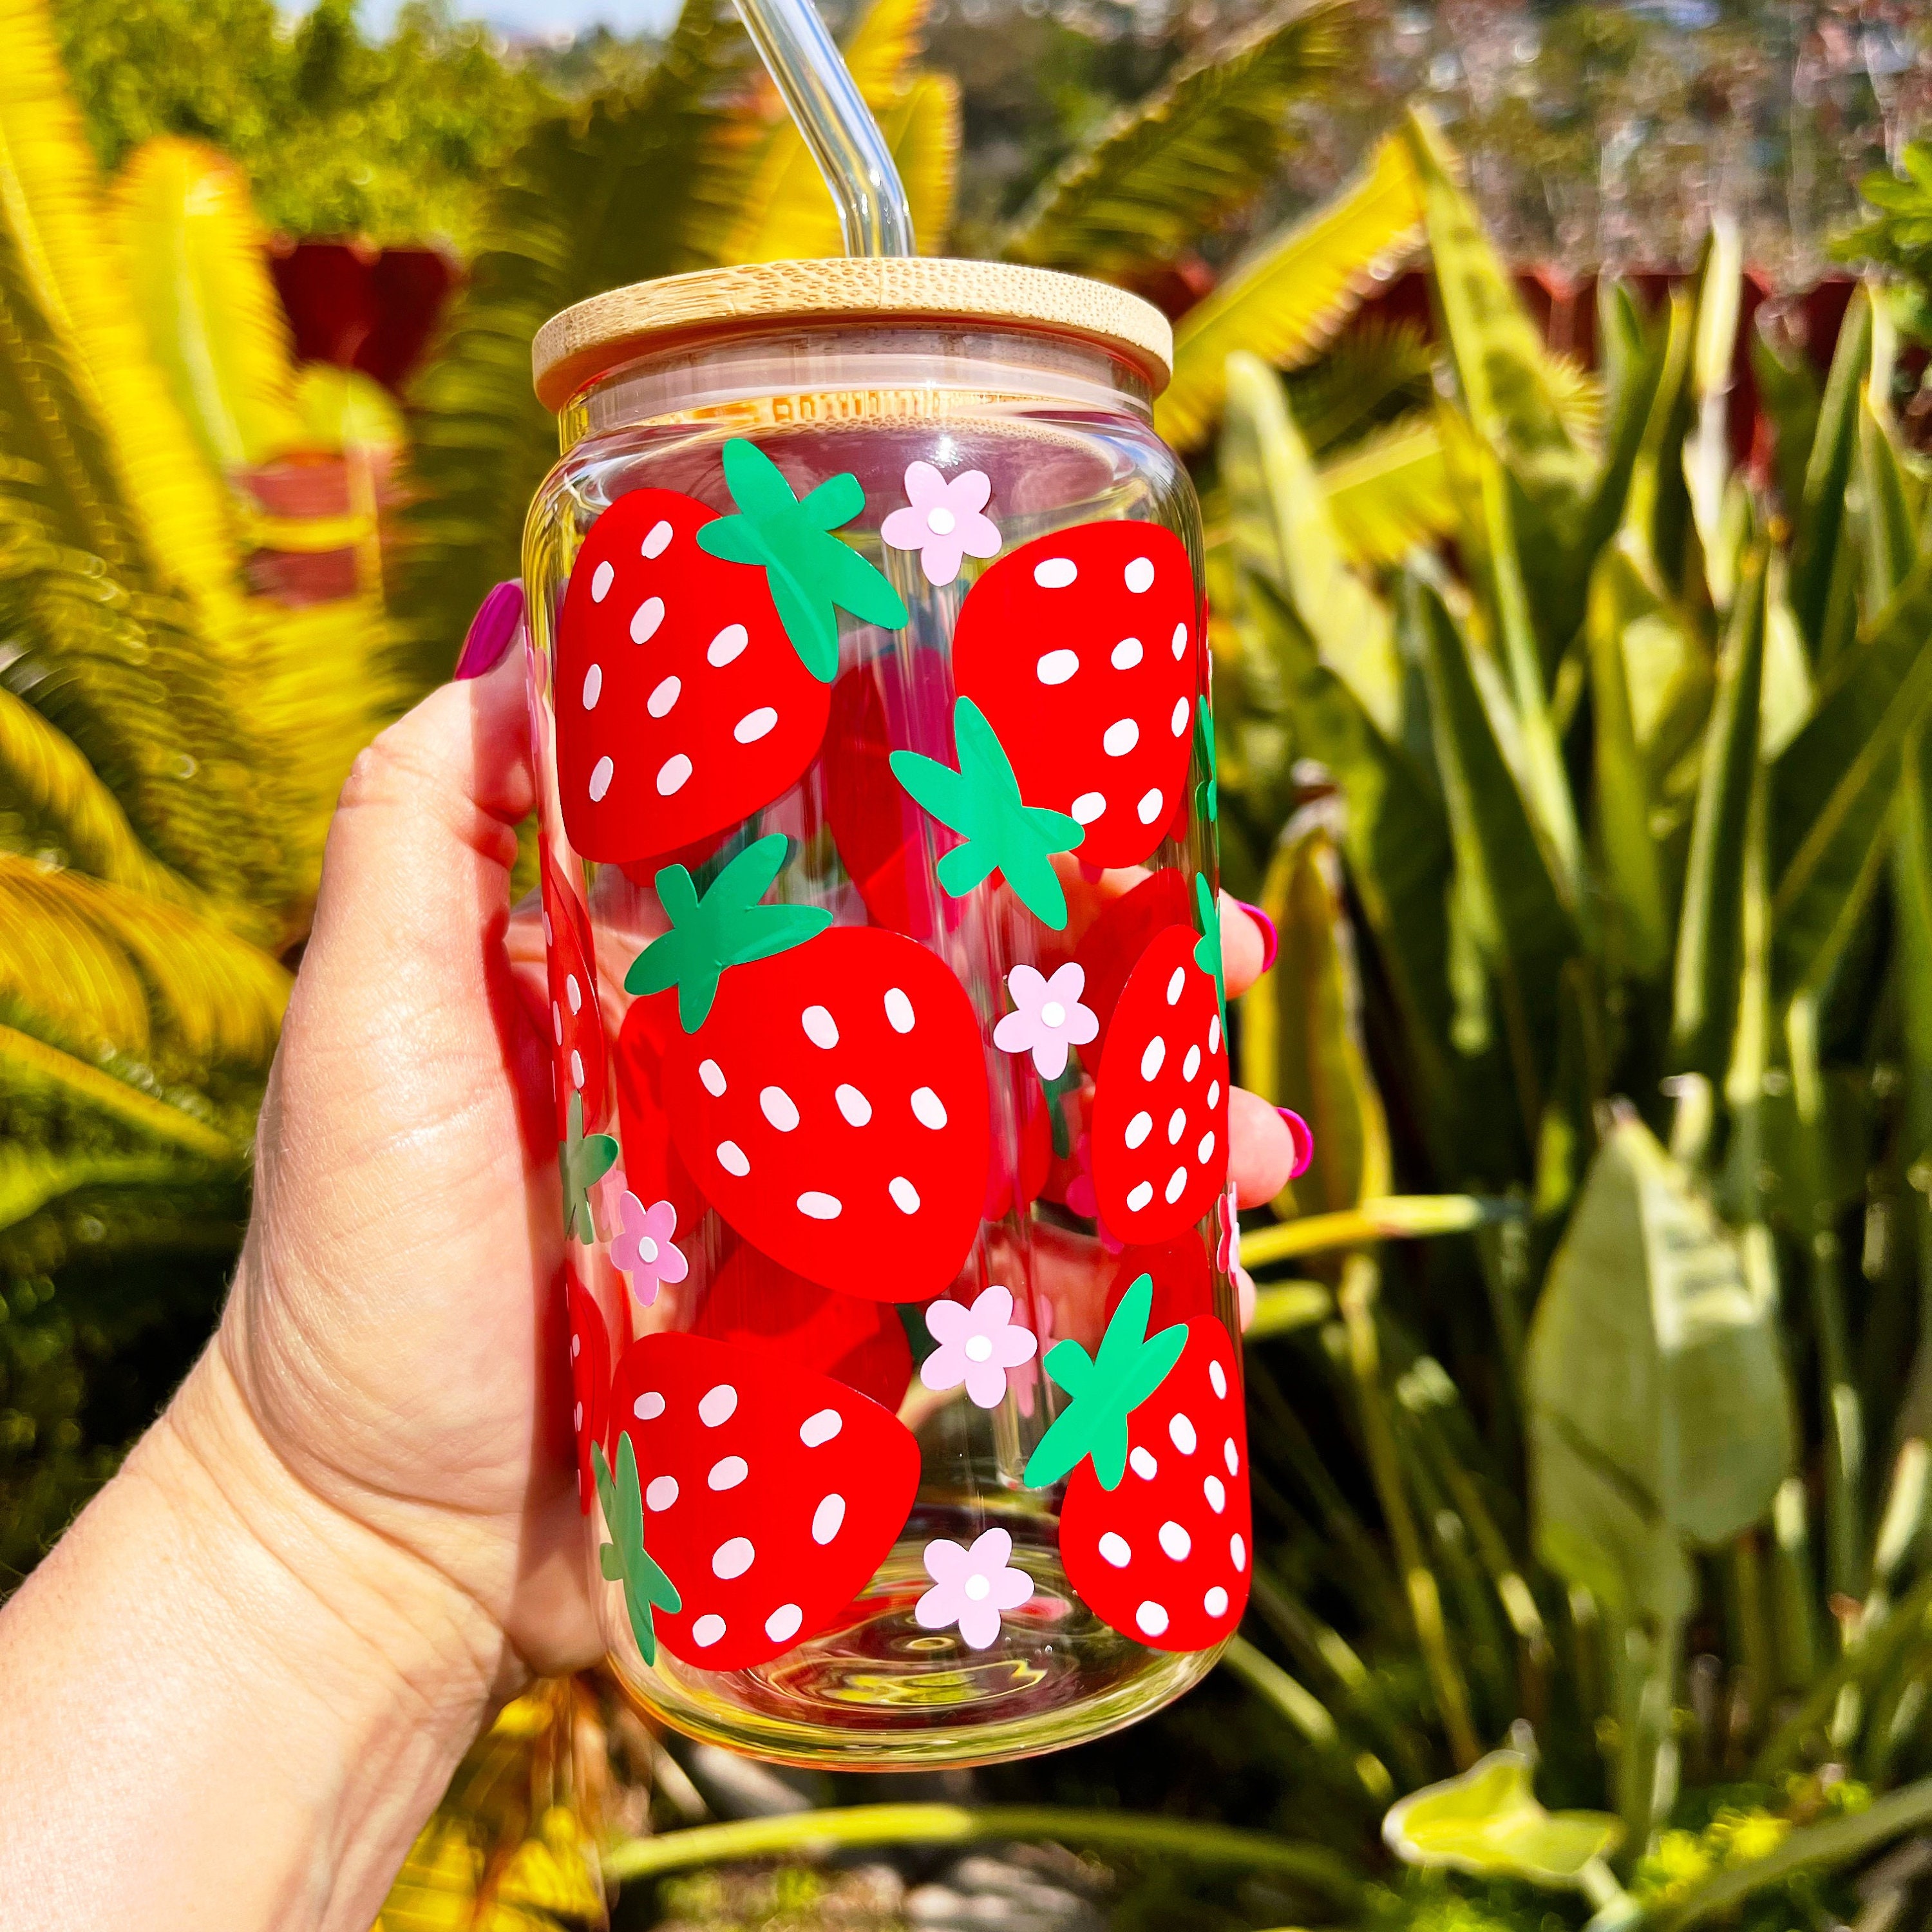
578,346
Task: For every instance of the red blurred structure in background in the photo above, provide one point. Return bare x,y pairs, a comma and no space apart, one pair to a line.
376,310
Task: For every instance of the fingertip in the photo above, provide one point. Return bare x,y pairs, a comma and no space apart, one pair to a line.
498,619
1262,1148
1244,947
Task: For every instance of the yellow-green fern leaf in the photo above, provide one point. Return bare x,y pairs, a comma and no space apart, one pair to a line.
194,255
1285,303
1390,491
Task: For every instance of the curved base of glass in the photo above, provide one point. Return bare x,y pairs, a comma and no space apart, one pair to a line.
877,1692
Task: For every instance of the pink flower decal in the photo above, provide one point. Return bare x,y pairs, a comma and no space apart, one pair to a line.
971,1587
1080,1197
944,521
644,1249
1048,1018
977,1345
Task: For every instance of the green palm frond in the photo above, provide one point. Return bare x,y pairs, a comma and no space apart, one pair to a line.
1375,371
31,1070
643,184
923,129
1390,491
1173,167
31,1177
1285,303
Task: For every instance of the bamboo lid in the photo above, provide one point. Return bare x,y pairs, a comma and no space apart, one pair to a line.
580,344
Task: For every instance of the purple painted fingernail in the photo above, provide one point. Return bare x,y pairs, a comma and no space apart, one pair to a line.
1304,1140
491,629
1269,941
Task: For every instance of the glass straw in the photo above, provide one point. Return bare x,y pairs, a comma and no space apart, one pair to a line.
838,127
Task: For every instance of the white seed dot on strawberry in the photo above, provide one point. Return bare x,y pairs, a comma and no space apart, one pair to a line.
1176,980
782,1625
1089,806
646,619
1237,1552
657,539
1141,1460
755,725
905,1196
1177,723
1191,1065
1177,1186
1057,666
601,775
1152,1056
672,774
820,1427
1180,642
1180,1433
853,1104
556,1022
1215,1491
778,1108
928,1109
731,1158
1148,810
1115,1548
718,1404
573,992
712,1074
600,581
1126,654
727,1473
1177,1125
664,695
593,686
576,1346
828,1519
820,1207
1139,574
732,1557
1055,573
1216,1602
1213,1094
660,1493
1214,1034
898,1010
1119,737
1231,1456
821,1028
1140,1196
728,644
576,1417
1217,1377
576,1069
1175,1540
1139,1128
1204,1151
648,1406
707,1630
1151,1618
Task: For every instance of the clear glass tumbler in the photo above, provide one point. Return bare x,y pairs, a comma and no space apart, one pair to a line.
869,696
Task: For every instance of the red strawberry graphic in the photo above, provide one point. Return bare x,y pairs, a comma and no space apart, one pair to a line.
1154,1524
1160,1104
694,654
771,1494
1183,1288
767,1309
577,1055
1112,946
652,1167
1080,649
826,1090
589,1381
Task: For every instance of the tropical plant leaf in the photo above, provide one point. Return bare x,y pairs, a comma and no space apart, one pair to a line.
1173,167
1285,301
922,128
1818,517
1375,370
31,1066
32,1176
1390,492
1487,1822
196,265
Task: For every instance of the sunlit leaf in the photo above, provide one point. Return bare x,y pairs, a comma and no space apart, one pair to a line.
1819,516
1390,492
1488,1822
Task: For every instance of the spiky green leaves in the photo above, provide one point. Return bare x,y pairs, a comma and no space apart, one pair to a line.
981,801
647,1589
812,576
584,1160
1208,948
726,925
1207,792
1105,1389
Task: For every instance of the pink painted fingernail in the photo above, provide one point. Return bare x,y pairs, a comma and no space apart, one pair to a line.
491,629
1304,1141
1270,943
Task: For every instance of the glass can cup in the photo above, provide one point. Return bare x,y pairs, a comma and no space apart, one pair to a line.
870,702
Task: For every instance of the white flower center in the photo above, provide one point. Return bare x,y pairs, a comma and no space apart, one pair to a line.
978,1348
1053,1014
941,522
978,1588
647,1249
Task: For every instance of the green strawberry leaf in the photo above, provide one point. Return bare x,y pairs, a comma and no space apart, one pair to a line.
646,1587
1207,792
1208,948
583,1160
981,801
1104,1390
812,575
725,925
